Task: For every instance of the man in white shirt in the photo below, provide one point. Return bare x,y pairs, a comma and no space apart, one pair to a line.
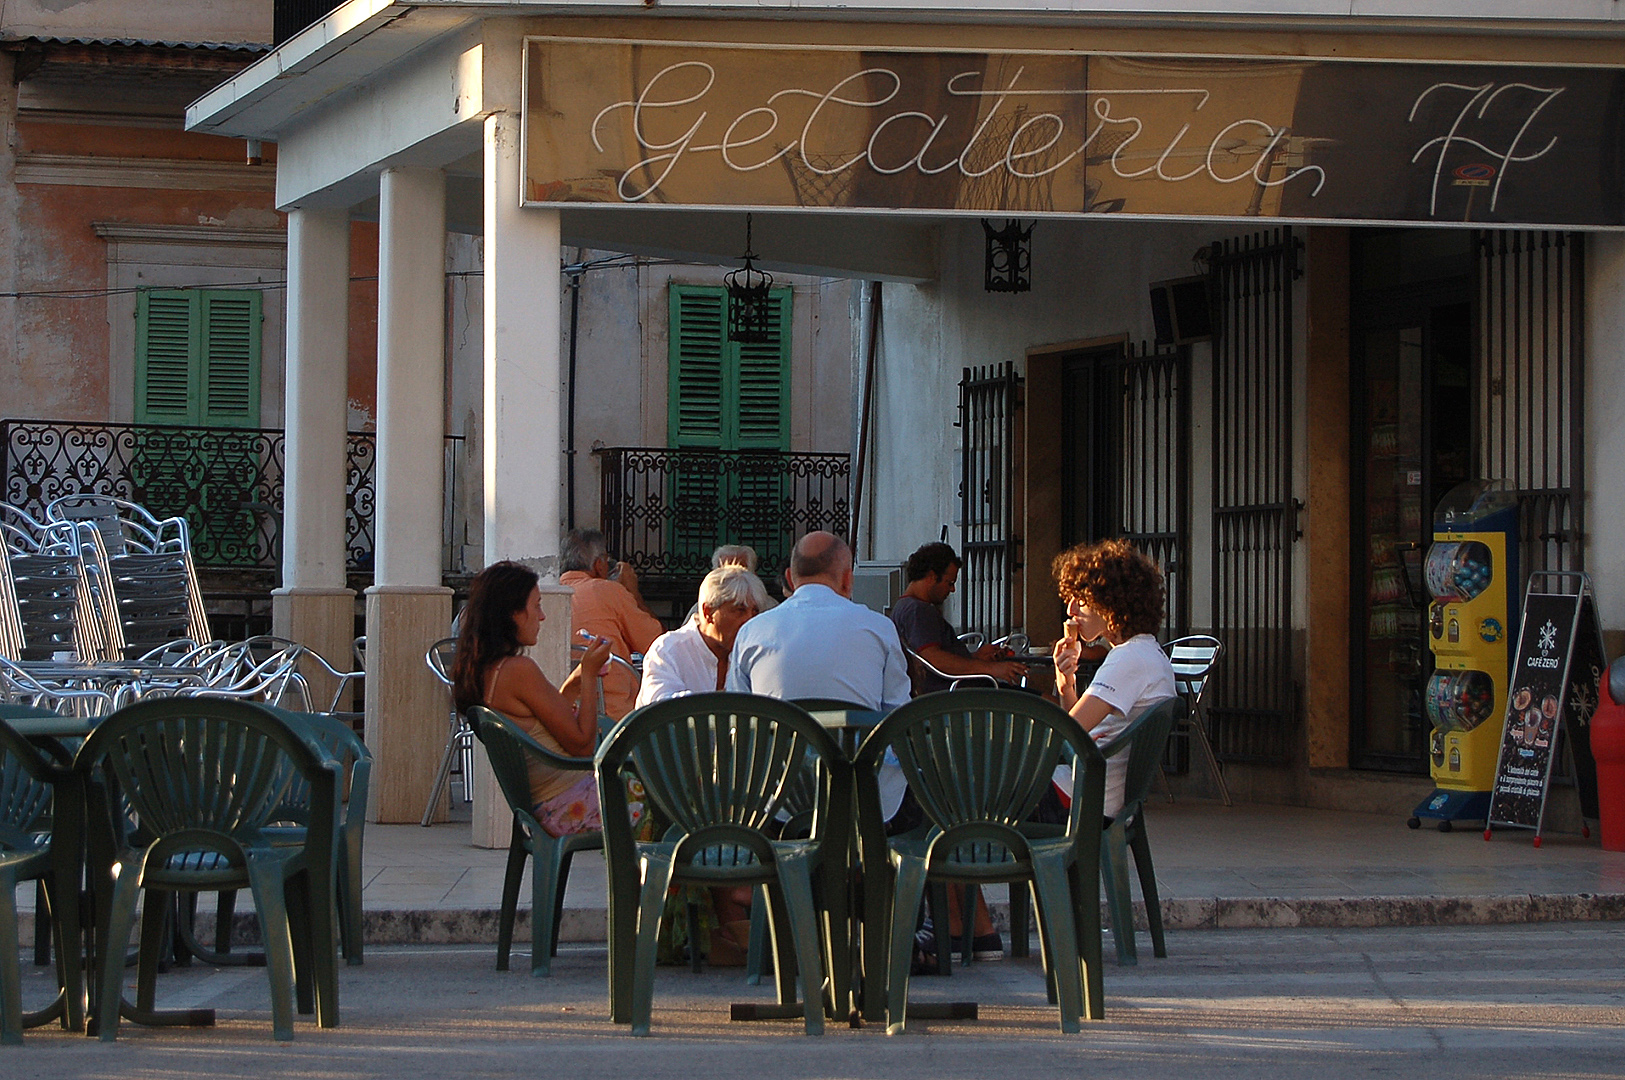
818,643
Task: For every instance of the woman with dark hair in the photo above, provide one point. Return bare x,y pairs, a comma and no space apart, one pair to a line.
1113,594
503,617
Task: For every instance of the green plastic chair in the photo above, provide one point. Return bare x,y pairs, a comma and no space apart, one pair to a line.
36,781
800,799
1143,741
336,739
205,777
509,748
1146,739
978,761
719,766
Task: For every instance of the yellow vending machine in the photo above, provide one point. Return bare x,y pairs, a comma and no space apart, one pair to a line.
1472,576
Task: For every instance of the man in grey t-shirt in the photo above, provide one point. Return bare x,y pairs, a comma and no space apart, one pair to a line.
932,572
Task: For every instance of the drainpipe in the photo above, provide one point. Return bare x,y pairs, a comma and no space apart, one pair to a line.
864,411
570,407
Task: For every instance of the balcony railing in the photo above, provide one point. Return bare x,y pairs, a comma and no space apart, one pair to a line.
665,510
227,482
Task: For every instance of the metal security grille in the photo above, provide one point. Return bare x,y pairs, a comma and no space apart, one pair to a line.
987,422
1255,517
1126,458
1530,356
1153,487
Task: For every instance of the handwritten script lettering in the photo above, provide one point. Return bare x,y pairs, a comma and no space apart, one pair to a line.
1485,96
671,119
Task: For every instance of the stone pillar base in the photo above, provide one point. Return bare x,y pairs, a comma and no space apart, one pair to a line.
407,709
493,821
322,620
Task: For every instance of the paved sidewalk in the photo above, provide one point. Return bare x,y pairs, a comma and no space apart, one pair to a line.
1217,867
1452,1003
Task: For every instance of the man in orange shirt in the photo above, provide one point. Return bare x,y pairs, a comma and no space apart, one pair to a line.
607,604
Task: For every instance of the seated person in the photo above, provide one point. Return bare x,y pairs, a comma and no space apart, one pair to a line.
1113,593
607,604
931,573
693,659
737,555
502,618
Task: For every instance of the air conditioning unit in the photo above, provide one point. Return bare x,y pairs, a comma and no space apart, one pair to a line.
877,585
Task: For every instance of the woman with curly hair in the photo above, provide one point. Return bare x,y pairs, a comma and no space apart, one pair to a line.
1113,594
502,619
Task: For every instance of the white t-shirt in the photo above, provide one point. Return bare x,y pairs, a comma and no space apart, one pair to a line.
1134,676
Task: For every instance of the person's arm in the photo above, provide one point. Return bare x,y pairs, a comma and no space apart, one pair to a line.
628,580
896,687
1090,712
1066,652
1010,671
639,627
522,682
661,679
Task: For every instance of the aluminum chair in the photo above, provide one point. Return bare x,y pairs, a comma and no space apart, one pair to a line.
955,682
1194,658
459,740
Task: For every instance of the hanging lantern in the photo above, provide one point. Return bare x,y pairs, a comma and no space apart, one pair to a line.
1009,257
750,299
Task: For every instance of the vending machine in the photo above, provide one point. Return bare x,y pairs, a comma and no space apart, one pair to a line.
1472,577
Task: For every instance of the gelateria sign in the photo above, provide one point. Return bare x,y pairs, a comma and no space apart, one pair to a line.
707,125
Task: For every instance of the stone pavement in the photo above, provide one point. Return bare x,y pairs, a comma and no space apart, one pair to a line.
1217,867
1444,1003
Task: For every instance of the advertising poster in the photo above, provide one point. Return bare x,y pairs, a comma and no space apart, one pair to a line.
1553,690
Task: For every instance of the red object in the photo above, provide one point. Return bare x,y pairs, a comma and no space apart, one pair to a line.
1608,747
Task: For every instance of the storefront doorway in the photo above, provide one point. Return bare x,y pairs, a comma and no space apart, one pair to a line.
1412,393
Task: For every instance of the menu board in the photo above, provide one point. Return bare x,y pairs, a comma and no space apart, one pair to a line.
1554,686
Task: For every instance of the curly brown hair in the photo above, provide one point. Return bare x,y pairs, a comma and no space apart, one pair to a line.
1116,580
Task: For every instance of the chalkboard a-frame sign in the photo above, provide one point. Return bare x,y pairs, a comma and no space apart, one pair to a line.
1554,686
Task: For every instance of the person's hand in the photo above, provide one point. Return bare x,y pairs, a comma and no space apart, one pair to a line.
1010,671
1066,653
596,658
627,576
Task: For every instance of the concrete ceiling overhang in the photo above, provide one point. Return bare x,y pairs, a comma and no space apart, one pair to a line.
364,68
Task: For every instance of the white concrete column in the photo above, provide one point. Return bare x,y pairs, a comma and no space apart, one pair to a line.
313,606
411,376
523,380
407,608
522,402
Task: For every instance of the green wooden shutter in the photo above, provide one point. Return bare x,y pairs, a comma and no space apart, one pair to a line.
697,351
759,400
166,379
197,357
695,399
230,337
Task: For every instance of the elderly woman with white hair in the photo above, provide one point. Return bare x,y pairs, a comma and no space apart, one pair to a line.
693,659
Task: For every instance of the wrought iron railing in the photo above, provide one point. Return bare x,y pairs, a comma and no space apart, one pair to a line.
664,511
226,481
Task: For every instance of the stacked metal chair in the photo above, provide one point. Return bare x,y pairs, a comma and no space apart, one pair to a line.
140,571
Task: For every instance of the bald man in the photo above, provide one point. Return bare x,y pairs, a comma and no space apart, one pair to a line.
819,643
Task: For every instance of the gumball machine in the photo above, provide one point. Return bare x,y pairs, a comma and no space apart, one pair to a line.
1472,576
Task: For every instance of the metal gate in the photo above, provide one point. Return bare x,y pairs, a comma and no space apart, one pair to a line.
987,542
1255,516
1126,458
1530,355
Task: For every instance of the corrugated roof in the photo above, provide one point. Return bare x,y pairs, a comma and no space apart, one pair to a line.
219,46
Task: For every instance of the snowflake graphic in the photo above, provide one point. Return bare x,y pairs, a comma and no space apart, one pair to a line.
1548,636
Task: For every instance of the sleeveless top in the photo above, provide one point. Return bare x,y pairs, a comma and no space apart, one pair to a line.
546,782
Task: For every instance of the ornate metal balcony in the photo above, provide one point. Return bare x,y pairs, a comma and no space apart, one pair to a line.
226,481
665,510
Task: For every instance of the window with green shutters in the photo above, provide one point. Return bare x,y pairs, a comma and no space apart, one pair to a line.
197,357
724,395
197,364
